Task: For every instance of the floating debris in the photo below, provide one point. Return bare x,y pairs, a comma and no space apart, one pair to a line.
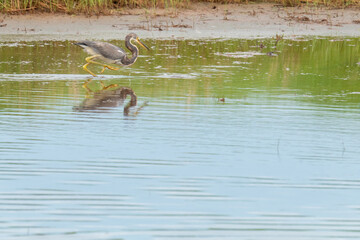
271,54
240,54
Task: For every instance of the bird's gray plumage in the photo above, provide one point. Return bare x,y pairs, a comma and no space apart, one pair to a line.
106,51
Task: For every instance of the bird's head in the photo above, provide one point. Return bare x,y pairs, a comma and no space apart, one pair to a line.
132,36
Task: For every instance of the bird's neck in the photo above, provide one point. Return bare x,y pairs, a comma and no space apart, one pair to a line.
134,51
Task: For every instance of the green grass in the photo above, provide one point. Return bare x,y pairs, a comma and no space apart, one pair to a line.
83,6
108,6
330,3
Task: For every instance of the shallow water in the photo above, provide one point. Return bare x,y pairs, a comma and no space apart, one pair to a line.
277,159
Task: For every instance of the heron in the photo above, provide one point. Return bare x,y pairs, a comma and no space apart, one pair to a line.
110,53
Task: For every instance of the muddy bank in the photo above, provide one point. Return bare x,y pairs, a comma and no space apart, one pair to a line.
200,21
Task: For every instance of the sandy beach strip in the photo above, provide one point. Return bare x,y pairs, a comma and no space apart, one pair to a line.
200,21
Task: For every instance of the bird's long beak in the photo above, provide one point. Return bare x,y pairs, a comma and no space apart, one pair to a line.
142,44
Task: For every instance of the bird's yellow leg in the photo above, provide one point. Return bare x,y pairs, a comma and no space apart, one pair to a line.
103,70
112,68
109,67
86,69
89,60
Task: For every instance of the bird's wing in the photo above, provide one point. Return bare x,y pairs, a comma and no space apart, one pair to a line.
110,51
105,49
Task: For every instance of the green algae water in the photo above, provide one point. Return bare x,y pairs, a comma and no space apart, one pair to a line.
230,139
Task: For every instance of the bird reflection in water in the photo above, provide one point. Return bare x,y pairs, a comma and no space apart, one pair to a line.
108,97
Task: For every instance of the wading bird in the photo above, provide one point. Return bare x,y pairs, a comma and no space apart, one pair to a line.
110,53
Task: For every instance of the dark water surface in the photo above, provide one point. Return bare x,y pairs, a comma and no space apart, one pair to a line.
279,158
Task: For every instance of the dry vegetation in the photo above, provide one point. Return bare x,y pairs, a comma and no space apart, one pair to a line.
111,6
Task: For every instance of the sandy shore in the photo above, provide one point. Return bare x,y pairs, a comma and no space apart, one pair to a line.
200,21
